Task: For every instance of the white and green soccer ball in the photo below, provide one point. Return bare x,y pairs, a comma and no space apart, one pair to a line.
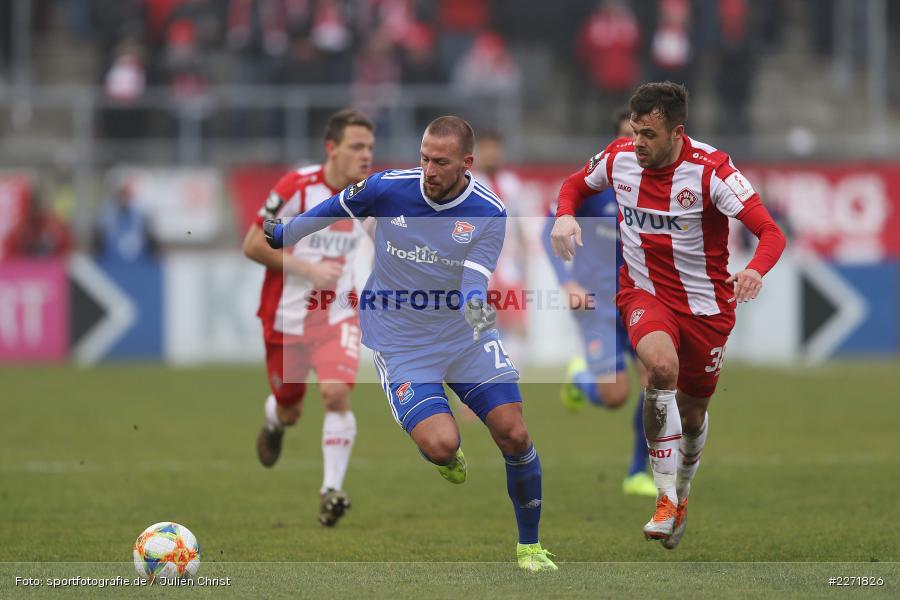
166,550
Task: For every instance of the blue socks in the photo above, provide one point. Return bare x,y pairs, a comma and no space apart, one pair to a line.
639,454
587,383
523,482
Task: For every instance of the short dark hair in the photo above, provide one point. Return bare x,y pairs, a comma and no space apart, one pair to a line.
623,113
341,120
456,127
668,99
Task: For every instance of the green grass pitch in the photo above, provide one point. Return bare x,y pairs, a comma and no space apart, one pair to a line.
801,472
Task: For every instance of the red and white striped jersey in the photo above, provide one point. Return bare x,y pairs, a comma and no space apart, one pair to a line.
510,270
284,307
674,222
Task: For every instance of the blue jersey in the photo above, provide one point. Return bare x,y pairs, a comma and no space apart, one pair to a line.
429,256
604,339
592,267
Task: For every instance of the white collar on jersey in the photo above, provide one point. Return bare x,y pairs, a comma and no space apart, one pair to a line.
459,200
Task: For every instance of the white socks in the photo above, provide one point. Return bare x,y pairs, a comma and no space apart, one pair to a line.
662,427
689,459
338,434
272,420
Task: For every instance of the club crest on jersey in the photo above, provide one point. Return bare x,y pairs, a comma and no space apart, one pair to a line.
405,392
462,232
686,198
355,189
635,316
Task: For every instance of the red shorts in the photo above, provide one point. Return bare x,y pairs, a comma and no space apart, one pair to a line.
331,351
699,340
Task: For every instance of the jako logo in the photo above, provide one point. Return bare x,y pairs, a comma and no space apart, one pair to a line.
623,187
632,216
635,316
405,392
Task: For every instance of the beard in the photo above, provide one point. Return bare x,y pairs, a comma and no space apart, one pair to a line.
439,193
653,161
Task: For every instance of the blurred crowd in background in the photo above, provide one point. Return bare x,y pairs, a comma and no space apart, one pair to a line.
570,64
138,139
598,50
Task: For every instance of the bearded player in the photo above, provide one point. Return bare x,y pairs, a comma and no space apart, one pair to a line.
600,377
424,312
299,335
676,299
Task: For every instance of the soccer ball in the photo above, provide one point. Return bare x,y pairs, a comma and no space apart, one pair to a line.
166,550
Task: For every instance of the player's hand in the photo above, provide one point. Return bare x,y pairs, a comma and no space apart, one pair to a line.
564,229
324,275
274,232
578,297
747,284
480,316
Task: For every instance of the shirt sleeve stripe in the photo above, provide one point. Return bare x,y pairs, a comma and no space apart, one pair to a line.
478,193
476,267
344,205
488,192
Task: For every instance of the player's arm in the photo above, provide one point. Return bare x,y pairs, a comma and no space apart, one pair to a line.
354,202
563,272
735,197
322,274
577,187
479,265
575,293
759,221
368,226
285,196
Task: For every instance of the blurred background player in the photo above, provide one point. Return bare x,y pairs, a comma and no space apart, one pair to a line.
40,234
298,336
509,277
123,234
602,379
440,230
677,299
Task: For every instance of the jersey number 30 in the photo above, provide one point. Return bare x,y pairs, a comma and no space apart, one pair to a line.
717,361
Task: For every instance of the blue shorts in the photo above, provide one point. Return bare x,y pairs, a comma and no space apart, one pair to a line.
479,372
605,341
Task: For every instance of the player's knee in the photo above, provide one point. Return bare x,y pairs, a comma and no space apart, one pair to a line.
440,449
615,399
514,439
614,395
691,429
662,373
335,397
692,422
